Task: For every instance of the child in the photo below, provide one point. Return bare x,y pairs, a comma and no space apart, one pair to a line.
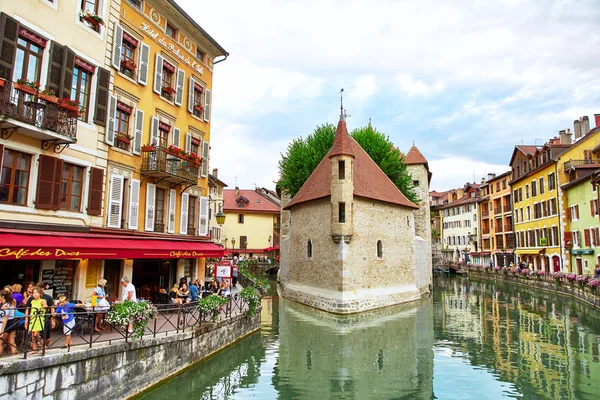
35,317
66,309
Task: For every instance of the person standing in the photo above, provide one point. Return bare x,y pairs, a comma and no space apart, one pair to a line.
8,322
101,305
597,272
234,274
194,290
49,310
35,318
66,311
128,290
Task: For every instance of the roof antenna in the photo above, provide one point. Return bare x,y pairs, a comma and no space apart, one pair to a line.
343,114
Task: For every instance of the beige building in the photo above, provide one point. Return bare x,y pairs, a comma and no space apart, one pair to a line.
350,241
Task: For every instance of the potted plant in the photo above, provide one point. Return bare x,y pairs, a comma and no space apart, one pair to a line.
211,305
124,138
194,158
168,90
129,65
27,87
49,96
92,18
137,313
68,104
198,108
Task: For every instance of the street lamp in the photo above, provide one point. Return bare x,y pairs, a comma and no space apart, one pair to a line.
220,216
232,246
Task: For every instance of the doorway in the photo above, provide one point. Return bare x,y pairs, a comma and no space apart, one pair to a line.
112,274
579,265
555,263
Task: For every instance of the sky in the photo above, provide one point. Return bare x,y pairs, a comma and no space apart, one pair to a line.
465,80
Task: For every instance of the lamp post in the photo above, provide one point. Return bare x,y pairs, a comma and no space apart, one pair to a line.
504,256
220,217
232,246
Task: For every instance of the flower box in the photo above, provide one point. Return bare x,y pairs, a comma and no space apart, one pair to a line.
68,107
124,139
128,65
48,98
168,91
147,149
2,82
24,88
199,109
93,20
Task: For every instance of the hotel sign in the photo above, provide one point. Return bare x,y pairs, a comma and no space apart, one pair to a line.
176,51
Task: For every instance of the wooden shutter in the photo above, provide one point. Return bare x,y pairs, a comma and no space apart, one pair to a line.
115,201
57,56
203,226
188,142
111,123
207,105
144,63
150,205
568,237
172,205
205,151
176,137
586,236
191,95
9,32
183,220
66,82
117,43
95,192
49,183
569,216
138,131
158,73
154,132
576,216
180,85
102,96
134,203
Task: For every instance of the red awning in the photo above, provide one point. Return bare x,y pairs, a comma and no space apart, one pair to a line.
274,248
34,245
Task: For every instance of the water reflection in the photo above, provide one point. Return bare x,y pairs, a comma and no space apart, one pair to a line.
471,340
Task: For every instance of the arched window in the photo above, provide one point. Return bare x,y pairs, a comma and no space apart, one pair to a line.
379,249
309,249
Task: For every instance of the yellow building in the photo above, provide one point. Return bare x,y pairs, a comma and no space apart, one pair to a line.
158,133
252,222
215,206
536,205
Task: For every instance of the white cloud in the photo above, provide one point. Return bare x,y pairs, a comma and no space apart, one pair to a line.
364,87
412,87
454,171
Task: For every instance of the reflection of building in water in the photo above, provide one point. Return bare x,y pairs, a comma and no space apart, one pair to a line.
384,354
533,342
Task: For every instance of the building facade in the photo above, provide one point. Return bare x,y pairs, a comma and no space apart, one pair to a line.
215,206
496,221
459,221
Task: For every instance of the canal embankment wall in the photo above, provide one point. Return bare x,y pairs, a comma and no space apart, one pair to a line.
118,370
585,294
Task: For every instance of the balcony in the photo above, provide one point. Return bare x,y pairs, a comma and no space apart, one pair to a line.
508,228
485,214
31,116
498,228
485,231
506,208
497,210
572,164
178,169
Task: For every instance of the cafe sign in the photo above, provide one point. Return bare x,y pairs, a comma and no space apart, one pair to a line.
176,51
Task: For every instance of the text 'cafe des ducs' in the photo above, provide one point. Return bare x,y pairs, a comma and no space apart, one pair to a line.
72,263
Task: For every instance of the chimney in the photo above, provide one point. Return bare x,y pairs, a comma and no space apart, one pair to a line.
577,128
565,137
597,119
215,173
237,190
585,125
490,176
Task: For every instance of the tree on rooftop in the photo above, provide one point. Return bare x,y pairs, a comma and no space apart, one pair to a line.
303,156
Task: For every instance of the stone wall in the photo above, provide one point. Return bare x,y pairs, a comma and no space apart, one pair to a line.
423,222
120,370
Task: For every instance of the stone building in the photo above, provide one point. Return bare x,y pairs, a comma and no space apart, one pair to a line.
351,241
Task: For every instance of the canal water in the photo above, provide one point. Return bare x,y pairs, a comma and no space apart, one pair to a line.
469,340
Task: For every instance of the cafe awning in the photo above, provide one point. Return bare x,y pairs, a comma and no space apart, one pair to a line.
34,245
272,248
527,251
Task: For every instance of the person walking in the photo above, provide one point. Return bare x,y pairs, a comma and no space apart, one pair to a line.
8,322
66,311
234,274
128,295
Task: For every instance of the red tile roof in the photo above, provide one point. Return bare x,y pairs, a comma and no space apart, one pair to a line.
256,202
369,180
414,156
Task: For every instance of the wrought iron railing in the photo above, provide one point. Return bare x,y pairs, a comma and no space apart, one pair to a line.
31,110
160,161
573,163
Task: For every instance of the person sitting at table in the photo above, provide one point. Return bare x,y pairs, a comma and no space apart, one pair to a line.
214,287
173,294
183,294
225,289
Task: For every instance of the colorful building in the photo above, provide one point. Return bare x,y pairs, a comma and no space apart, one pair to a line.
252,222
536,204
215,206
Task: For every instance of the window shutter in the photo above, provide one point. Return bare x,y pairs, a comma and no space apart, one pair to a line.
586,236
49,183
176,137
172,205
180,84
569,216
9,32
576,216
158,73
66,82
207,105
203,226
95,192
111,124
205,151
188,142
134,203
139,129
154,132
150,204
144,61
57,55
102,95
191,95
117,43
183,222
568,237
115,201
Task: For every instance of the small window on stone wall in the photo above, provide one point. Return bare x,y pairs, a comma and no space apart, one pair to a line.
379,249
341,169
342,213
309,250
415,183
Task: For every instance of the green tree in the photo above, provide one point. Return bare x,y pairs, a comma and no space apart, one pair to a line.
303,156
